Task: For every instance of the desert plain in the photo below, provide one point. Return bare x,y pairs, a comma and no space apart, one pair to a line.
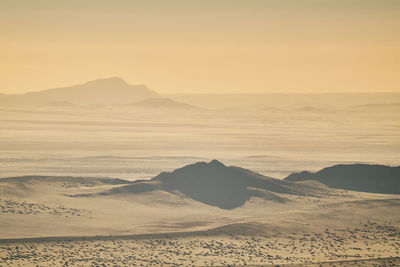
75,187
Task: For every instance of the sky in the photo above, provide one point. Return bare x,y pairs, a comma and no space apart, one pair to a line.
202,46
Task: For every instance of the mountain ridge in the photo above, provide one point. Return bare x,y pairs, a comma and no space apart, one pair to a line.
109,91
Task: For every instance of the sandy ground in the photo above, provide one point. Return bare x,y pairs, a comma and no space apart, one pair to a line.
210,248
160,228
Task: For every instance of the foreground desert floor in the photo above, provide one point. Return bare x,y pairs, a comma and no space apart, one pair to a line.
211,249
44,223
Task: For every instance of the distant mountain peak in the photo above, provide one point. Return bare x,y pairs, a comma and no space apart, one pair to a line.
116,82
113,78
108,81
216,163
107,91
116,78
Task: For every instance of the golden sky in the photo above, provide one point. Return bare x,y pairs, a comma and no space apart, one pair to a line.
195,46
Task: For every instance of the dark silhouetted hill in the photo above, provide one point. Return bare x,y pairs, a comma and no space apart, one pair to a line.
215,184
357,177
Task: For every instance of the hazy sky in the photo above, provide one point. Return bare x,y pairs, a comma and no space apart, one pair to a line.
202,45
